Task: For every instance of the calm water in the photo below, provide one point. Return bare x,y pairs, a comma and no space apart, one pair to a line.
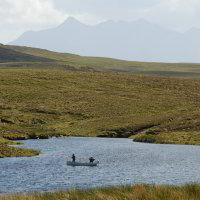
121,162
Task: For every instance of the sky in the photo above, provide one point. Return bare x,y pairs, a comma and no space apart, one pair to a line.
18,16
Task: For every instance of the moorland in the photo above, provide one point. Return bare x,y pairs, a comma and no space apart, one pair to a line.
47,94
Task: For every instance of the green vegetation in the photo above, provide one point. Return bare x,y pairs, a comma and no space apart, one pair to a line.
137,192
45,103
8,142
66,61
9,55
8,151
190,138
45,94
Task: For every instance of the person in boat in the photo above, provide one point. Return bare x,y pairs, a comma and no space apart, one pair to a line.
73,158
91,159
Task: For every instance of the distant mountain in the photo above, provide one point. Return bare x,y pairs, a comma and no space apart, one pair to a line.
137,40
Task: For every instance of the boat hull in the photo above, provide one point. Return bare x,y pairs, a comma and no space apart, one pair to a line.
70,163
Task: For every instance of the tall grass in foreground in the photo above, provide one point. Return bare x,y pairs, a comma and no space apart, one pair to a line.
138,192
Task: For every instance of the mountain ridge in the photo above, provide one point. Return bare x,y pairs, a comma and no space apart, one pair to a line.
138,40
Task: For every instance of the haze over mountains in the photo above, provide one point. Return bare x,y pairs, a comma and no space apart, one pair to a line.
138,40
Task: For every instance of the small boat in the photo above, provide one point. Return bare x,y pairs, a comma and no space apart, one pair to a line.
70,163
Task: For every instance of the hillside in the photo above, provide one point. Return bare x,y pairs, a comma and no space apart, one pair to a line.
72,62
45,103
9,55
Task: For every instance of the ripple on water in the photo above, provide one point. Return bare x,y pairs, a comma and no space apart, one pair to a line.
121,162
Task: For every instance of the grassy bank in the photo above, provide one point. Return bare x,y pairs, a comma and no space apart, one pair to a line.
8,151
45,103
138,192
188,138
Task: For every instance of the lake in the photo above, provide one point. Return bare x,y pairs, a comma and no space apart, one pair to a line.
121,162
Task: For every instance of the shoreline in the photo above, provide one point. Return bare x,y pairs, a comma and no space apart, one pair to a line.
7,150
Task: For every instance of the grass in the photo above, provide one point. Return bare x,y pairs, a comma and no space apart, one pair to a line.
68,61
44,103
188,138
137,192
8,151
10,55
8,142
45,94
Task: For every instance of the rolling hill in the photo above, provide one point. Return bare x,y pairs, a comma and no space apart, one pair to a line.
9,55
45,94
45,59
42,103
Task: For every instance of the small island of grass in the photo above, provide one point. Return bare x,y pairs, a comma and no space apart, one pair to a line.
8,151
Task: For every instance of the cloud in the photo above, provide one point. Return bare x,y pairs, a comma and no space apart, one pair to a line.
101,6
173,14
17,16
106,9
22,15
180,15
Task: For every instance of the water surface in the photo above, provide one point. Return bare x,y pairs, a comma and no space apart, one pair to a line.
121,162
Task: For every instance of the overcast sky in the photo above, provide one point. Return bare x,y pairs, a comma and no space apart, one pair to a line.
18,16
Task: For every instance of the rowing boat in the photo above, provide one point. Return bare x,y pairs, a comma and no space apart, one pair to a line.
70,163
